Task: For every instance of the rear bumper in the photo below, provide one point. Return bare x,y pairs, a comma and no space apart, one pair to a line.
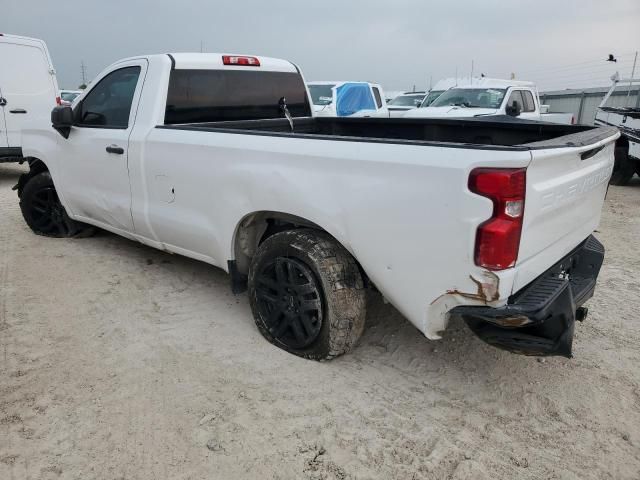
540,318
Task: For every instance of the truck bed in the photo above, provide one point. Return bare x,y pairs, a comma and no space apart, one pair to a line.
495,133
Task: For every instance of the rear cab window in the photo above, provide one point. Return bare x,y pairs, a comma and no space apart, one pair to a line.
197,96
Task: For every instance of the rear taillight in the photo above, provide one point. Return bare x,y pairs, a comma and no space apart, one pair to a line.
498,239
244,61
58,101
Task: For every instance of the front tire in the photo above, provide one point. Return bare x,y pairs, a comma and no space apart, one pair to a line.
43,212
307,294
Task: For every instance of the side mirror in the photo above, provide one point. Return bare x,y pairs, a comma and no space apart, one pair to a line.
513,110
62,120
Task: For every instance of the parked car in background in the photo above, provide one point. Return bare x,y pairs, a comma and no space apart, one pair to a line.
391,94
28,91
627,119
466,217
68,96
488,97
404,102
347,99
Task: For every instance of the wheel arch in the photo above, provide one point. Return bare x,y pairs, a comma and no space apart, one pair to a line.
36,166
255,227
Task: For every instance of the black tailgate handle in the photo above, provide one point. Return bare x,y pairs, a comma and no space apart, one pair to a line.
18,110
590,153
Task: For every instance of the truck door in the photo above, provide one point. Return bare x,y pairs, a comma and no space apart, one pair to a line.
95,174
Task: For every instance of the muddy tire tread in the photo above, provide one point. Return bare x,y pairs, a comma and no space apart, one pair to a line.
342,283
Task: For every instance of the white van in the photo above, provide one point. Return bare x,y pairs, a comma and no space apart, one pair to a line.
28,91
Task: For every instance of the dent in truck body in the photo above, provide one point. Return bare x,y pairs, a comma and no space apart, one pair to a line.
540,318
487,292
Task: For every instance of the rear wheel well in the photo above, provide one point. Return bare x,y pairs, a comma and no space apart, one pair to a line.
256,227
253,230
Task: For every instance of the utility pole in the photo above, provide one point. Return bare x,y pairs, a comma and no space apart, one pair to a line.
83,71
471,76
633,72
200,46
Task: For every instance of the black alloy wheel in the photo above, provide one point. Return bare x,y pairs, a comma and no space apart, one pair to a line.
47,213
44,213
307,294
289,300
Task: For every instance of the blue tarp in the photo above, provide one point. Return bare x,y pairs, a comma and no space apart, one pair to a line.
353,97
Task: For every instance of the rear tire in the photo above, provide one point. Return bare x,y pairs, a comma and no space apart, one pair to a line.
307,294
623,169
43,212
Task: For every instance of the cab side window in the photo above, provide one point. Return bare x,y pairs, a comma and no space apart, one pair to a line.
516,96
529,104
376,93
108,104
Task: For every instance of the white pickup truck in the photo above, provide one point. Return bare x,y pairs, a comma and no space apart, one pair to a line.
490,96
616,111
491,221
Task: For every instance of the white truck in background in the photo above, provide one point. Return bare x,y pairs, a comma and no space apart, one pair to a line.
490,97
347,99
442,86
28,91
476,218
627,119
404,102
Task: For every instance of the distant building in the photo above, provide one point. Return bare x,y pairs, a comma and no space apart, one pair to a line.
583,102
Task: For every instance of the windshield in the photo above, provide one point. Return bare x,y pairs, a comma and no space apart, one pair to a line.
428,100
68,96
321,94
407,100
471,98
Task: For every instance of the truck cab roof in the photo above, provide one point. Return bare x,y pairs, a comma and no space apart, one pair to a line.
214,61
495,83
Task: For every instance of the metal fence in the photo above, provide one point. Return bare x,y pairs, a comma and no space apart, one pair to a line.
584,103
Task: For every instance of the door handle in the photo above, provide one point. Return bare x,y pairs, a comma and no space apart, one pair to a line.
115,149
18,110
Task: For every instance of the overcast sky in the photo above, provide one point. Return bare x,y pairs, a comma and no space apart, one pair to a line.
400,43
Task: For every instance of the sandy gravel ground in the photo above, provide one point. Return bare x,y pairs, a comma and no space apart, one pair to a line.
121,362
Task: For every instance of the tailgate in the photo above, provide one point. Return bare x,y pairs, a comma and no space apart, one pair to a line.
565,191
